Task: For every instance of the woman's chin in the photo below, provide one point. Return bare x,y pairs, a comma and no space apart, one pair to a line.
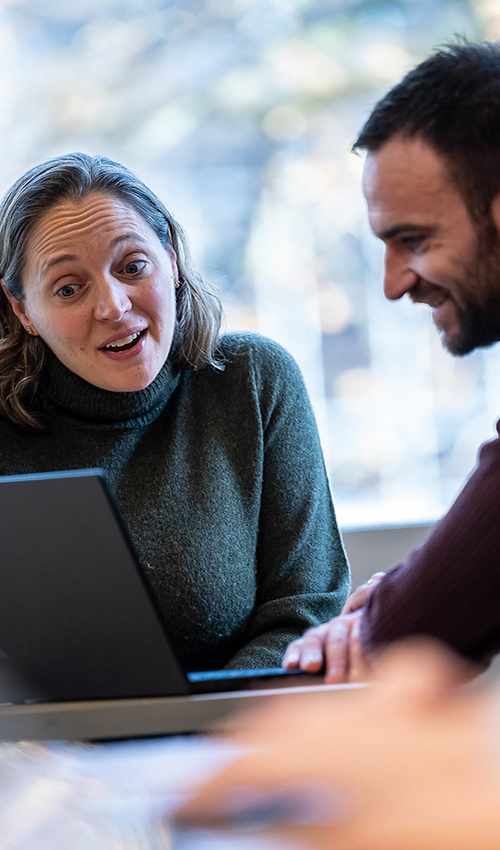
129,381
132,385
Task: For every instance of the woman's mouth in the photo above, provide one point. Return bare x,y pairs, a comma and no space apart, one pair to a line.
127,345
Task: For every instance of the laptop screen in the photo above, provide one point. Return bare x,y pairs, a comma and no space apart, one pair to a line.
77,616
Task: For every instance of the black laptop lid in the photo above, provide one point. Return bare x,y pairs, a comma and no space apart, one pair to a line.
76,612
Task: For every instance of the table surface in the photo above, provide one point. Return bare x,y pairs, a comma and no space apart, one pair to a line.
119,795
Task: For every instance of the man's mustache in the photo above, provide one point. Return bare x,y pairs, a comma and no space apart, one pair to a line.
428,293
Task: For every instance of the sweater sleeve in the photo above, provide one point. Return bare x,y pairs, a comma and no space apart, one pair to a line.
302,572
450,586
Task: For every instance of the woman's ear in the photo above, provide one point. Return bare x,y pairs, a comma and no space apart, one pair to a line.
19,310
175,268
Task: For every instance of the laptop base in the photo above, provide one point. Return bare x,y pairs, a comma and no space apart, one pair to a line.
134,718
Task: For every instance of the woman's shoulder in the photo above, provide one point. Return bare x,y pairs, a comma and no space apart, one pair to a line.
245,349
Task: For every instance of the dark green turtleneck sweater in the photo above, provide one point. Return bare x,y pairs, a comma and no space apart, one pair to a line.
221,481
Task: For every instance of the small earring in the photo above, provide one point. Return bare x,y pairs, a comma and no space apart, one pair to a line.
29,330
177,284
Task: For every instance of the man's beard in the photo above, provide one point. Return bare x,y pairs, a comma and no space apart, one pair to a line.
478,321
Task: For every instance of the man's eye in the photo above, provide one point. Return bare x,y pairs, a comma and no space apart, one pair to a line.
412,242
135,267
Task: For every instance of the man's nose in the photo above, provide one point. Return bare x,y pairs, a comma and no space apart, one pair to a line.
111,299
399,277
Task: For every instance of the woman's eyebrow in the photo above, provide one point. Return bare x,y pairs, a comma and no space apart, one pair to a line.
62,258
125,237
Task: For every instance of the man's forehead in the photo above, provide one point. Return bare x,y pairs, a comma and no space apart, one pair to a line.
403,165
405,180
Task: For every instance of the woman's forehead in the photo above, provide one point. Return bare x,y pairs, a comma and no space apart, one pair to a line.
93,210
98,216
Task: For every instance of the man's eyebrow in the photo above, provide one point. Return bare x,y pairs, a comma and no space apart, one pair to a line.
406,227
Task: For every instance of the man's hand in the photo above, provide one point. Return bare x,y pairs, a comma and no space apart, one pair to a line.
409,762
358,597
334,645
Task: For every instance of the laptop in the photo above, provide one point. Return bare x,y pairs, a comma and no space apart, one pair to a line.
80,628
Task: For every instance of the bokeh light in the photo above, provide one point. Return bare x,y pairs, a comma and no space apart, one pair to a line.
241,114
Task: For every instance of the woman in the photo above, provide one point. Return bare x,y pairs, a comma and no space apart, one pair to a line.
110,356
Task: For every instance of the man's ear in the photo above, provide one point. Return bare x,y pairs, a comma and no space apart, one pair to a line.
20,311
495,211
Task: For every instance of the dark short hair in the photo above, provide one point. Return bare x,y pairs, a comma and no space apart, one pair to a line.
452,102
71,178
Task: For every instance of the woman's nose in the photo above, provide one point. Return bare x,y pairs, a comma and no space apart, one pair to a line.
111,300
399,277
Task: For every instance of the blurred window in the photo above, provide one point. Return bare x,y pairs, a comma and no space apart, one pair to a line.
241,114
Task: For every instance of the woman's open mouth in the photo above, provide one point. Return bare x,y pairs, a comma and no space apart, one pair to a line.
130,344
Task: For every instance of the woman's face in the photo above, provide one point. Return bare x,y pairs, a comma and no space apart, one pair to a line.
100,291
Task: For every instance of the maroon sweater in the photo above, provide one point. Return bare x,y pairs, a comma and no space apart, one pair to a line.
450,586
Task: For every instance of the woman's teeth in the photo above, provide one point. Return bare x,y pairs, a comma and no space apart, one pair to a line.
119,343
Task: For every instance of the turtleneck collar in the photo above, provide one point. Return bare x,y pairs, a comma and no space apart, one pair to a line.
86,401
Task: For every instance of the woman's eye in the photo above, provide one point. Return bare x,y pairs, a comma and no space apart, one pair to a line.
135,267
67,291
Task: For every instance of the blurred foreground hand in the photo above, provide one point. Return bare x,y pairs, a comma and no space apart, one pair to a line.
411,762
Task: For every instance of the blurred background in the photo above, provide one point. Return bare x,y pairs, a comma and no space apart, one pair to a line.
241,115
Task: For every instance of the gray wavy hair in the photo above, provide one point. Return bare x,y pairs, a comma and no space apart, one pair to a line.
71,178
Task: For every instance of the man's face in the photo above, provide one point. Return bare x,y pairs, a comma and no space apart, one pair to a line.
434,252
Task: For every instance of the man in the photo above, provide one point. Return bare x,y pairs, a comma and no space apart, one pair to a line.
410,762
432,186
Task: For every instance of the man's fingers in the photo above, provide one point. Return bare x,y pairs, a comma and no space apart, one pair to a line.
358,598
336,649
358,667
292,655
312,658
307,652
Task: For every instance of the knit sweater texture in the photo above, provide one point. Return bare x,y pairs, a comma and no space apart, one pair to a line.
221,481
